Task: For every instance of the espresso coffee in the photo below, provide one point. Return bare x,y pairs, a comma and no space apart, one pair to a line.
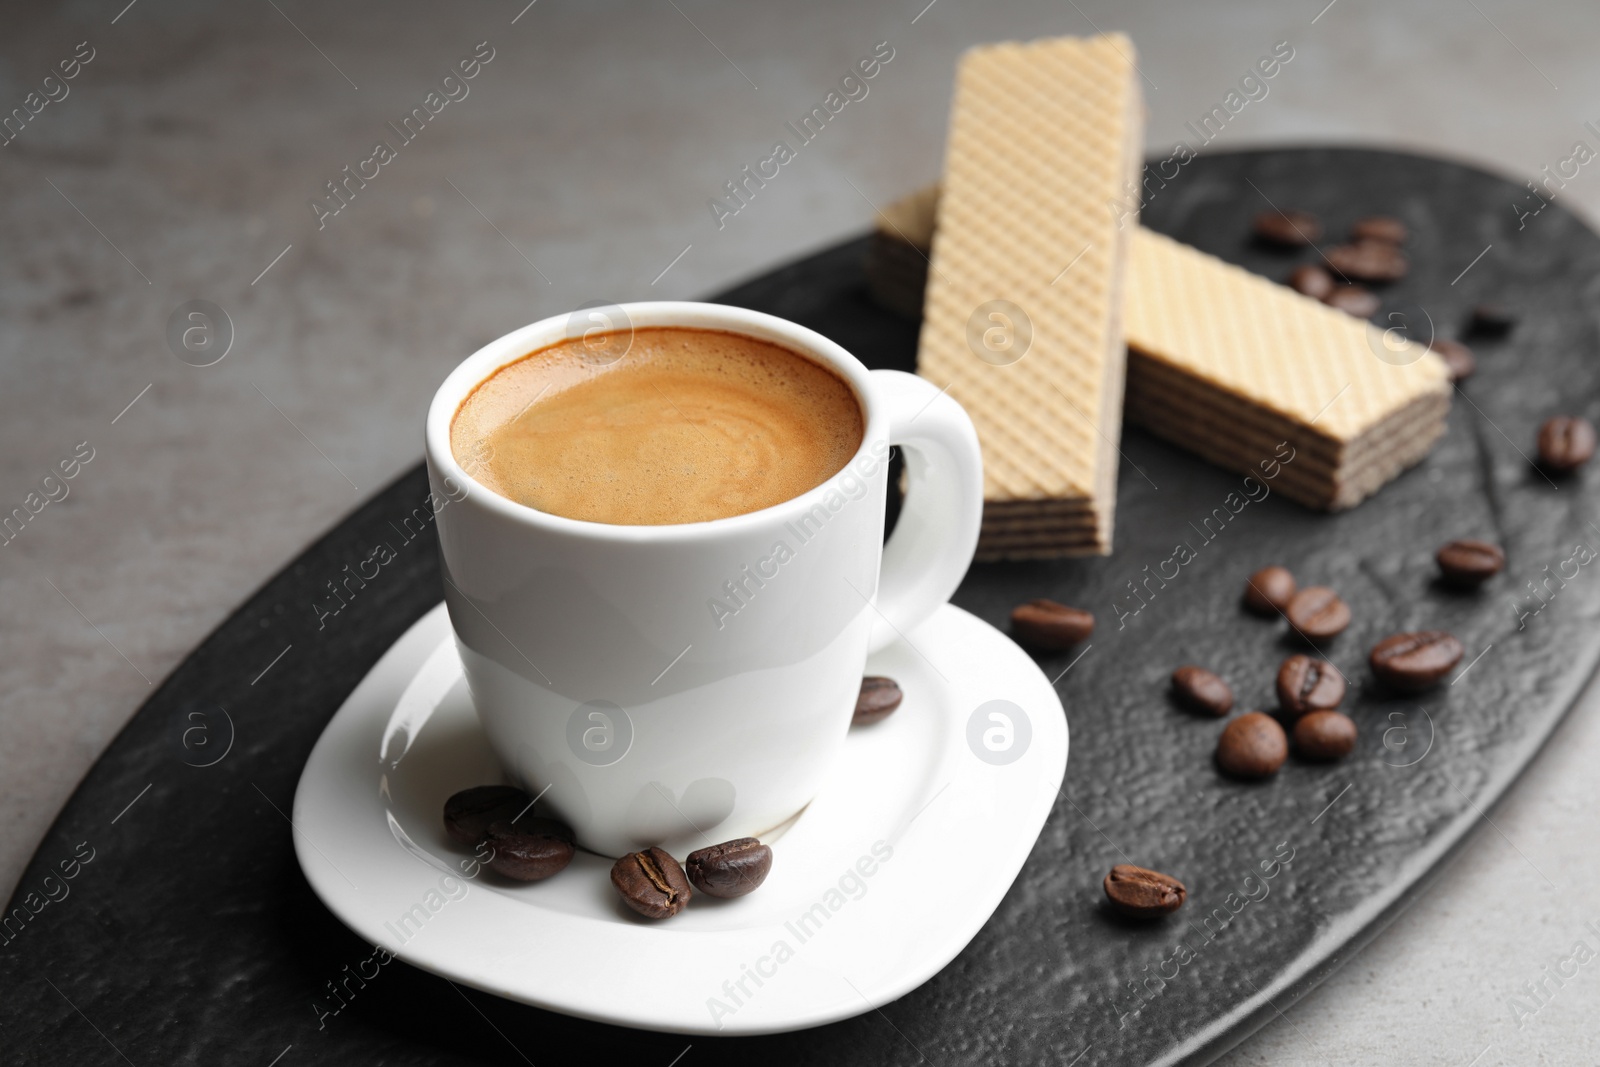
672,425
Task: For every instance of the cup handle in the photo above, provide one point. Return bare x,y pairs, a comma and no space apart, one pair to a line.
931,548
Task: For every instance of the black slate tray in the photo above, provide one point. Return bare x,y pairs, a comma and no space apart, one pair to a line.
189,936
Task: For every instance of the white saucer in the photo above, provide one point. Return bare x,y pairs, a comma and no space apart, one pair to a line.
877,885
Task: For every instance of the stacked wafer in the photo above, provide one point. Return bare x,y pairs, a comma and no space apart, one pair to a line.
1245,372
897,252
1023,310
1231,366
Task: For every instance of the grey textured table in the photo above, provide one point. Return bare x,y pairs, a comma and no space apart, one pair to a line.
182,161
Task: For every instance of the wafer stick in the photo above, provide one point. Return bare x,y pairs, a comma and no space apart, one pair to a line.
1042,137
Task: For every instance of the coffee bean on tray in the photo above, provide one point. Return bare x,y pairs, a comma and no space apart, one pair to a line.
1353,300
1311,280
1252,746
1468,564
730,869
527,856
1048,625
1307,684
467,814
1324,735
1492,320
1316,613
878,697
1565,443
651,883
1379,228
1288,229
1410,662
1200,690
1269,590
1368,261
1457,357
1143,894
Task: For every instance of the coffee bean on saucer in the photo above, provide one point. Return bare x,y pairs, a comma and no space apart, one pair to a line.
1379,228
1492,320
651,883
1048,625
730,869
1457,357
527,856
1199,690
1565,443
1307,684
1324,735
1368,261
1353,300
1411,662
1468,564
1316,613
878,697
1141,893
538,824
1311,280
1288,229
1269,590
1252,746
467,814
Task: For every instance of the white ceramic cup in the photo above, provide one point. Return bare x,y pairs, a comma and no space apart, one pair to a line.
687,684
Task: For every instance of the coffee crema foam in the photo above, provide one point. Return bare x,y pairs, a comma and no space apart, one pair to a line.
689,425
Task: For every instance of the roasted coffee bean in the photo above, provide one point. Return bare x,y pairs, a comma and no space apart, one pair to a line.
1368,261
1046,624
527,856
1492,320
730,869
651,883
1353,300
1288,229
878,697
1199,690
1324,735
467,814
1414,661
1457,357
1565,443
538,824
1269,590
1311,280
1307,684
1252,746
1378,228
1316,613
1469,564
1143,894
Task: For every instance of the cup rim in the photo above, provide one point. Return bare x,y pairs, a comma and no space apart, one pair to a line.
689,314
